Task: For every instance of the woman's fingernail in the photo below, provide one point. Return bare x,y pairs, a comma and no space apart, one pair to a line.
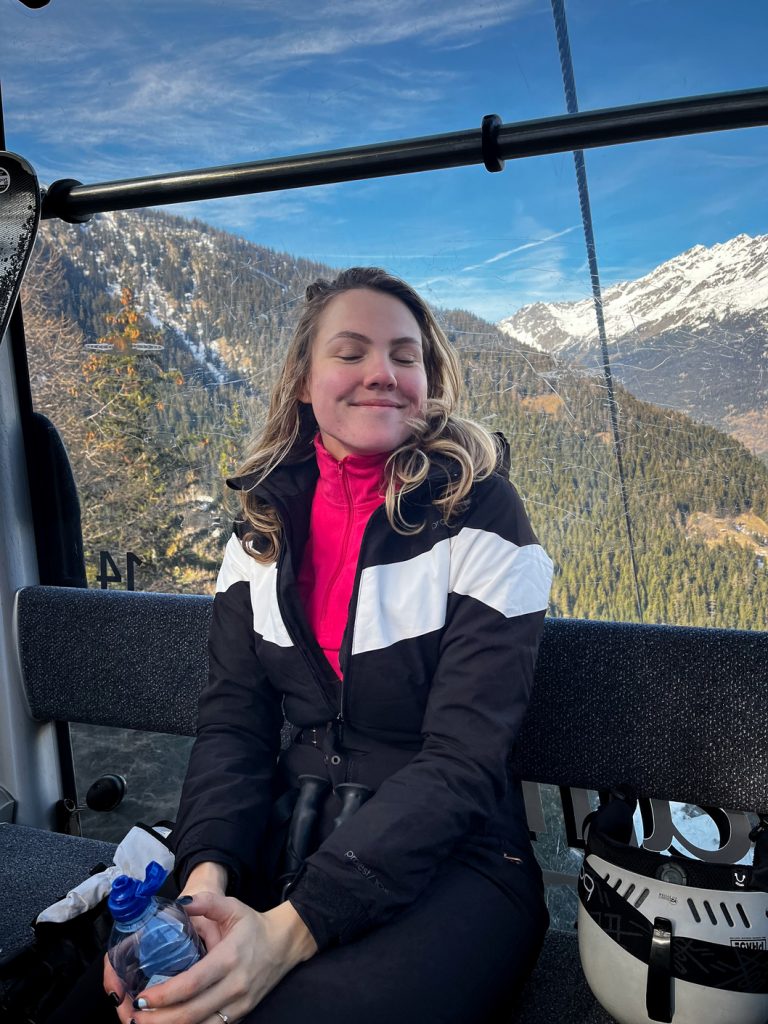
183,901
140,1004
115,998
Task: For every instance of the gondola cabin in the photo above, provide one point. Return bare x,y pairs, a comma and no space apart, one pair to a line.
139,344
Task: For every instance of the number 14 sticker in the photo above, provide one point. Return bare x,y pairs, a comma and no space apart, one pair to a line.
109,572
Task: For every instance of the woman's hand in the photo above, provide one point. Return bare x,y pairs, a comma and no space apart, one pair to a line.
206,877
255,952
114,989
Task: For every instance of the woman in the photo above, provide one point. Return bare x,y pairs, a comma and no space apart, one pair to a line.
383,591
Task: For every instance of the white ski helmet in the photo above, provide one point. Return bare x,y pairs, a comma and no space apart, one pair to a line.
667,938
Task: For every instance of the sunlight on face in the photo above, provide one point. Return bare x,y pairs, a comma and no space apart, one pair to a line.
367,376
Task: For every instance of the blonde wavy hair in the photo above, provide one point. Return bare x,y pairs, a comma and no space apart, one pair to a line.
441,431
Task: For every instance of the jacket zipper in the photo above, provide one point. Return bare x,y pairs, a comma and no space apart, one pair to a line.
350,518
291,629
349,521
346,640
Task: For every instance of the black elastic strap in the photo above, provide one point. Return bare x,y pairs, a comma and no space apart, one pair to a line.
759,835
658,990
733,968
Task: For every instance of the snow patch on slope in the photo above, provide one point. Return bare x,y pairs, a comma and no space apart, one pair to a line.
696,288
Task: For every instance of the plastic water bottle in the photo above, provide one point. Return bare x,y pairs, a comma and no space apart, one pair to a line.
152,938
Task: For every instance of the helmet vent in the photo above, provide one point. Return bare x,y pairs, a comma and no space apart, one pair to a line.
710,912
617,884
743,916
694,911
642,897
630,890
726,915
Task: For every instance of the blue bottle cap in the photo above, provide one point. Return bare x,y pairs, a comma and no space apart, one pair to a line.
130,898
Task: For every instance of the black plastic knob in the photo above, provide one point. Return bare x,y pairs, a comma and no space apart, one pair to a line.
106,793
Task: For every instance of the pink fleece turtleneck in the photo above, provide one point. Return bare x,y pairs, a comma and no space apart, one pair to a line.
347,493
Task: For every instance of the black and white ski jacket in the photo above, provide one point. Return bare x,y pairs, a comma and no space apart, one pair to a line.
438,659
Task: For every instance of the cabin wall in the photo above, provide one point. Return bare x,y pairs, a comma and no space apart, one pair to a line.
29,769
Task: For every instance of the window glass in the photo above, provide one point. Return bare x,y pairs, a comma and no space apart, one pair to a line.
154,336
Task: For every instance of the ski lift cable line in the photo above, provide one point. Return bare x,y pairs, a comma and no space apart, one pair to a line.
571,101
73,201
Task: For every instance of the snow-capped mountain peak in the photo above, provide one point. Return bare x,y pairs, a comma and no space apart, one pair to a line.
703,285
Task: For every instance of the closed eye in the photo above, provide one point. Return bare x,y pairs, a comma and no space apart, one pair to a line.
407,355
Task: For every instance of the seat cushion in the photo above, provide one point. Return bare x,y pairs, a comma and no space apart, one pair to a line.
36,869
557,990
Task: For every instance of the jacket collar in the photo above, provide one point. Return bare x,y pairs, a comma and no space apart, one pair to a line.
298,473
355,478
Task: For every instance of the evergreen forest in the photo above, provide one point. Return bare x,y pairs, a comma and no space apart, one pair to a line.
153,342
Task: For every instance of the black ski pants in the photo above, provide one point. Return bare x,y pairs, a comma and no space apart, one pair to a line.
458,955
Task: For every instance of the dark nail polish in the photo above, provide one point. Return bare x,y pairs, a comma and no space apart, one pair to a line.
183,901
115,998
132,1021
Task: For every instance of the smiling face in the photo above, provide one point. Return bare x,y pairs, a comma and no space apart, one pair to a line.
367,374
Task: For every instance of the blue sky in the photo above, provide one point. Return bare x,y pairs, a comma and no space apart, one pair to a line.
101,89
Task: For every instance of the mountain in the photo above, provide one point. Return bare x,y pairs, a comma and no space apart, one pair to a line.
691,335
153,343
224,307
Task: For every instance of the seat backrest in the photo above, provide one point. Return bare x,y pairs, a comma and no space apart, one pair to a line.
676,712
679,713
136,660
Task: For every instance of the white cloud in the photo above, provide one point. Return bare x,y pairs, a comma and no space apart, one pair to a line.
729,161
520,248
349,25
243,214
545,268
103,78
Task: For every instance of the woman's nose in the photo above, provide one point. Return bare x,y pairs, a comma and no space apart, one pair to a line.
381,374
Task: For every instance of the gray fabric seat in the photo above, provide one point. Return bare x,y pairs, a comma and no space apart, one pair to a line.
36,869
557,990
675,712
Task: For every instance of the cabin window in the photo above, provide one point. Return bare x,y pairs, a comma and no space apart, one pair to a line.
154,336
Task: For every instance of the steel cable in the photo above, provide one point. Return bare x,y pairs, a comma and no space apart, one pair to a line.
569,87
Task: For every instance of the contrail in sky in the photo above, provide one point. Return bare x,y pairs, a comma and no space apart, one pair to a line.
519,248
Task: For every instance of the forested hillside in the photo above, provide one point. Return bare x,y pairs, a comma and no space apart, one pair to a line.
153,343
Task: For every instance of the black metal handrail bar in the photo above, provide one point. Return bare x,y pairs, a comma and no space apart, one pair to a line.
495,142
